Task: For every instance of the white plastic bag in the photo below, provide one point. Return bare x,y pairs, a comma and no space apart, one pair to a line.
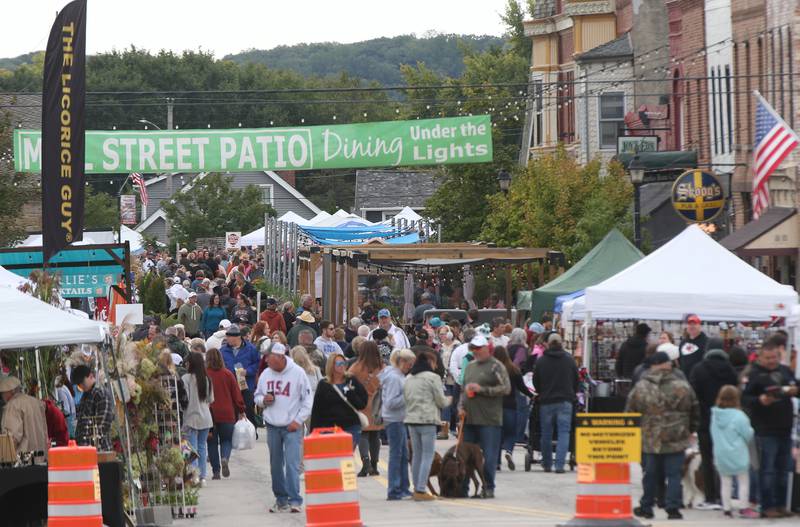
244,435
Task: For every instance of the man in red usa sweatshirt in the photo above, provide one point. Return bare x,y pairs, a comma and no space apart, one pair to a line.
284,394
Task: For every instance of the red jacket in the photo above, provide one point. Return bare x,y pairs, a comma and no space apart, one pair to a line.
56,424
228,402
275,321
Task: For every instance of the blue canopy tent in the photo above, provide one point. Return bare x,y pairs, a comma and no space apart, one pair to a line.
566,298
357,235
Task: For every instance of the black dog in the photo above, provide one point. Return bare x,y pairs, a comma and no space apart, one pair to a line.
460,462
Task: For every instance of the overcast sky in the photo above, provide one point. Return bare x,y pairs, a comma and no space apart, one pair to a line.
230,26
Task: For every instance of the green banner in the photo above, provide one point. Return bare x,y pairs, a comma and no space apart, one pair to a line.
380,144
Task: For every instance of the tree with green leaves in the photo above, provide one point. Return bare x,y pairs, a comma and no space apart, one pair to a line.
16,189
513,17
212,207
100,210
555,202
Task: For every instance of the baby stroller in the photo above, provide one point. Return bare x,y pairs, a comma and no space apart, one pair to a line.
535,438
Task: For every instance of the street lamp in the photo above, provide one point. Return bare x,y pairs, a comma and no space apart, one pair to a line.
504,179
151,123
636,170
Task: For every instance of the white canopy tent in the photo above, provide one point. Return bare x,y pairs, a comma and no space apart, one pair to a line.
318,218
28,322
341,218
291,217
253,239
407,214
690,274
9,279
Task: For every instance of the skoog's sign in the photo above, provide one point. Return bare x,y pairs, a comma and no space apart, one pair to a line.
379,144
697,196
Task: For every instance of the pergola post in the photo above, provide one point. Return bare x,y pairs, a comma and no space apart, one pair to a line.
508,292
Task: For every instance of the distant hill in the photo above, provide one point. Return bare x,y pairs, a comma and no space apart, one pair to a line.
378,59
15,62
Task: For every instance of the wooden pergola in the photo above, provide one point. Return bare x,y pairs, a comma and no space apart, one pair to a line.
340,267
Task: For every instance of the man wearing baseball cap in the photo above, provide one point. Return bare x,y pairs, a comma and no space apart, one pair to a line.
241,358
486,381
693,345
398,335
190,315
284,394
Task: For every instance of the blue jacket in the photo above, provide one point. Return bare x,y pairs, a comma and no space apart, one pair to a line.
730,434
212,316
393,403
247,356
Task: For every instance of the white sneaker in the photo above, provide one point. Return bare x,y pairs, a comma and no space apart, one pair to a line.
278,507
202,482
705,506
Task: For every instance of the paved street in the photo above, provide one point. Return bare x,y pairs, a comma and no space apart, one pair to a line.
533,498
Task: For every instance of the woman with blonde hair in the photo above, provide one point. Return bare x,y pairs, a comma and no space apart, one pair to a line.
339,399
366,369
393,412
301,358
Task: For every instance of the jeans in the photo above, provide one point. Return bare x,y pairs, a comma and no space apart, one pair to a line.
354,431
509,430
711,489
560,416
369,447
220,441
456,391
197,438
775,459
726,488
447,410
284,463
423,441
523,414
671,466
488,438
398,460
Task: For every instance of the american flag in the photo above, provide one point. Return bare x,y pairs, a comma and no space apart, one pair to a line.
774,141
138,182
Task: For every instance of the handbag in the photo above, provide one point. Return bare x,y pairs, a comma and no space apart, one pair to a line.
377,402
363,419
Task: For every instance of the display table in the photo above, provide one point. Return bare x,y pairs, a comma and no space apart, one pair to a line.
23,495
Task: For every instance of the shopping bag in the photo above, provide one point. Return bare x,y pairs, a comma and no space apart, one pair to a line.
244,435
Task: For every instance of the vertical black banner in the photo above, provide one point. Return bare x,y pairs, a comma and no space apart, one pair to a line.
63,127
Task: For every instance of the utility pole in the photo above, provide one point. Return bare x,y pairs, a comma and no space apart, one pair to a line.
170,101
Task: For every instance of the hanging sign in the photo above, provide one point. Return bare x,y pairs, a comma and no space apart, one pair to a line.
697,196
378,144
608,438
233,240
127,209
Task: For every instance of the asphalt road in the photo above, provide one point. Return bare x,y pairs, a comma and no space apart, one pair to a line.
522,498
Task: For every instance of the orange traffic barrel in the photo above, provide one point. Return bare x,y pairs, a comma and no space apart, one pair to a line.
73,487
331,490
604,496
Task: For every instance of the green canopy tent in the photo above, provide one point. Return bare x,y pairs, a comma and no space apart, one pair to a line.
613,254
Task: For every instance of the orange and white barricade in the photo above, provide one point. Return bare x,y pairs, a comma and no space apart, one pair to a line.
605,446
73,487
331,489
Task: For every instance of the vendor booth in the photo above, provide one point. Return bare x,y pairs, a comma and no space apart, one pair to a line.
690,274
613,254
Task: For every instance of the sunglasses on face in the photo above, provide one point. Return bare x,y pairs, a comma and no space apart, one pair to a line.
339,363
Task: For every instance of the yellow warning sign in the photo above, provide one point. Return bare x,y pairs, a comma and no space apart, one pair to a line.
608,438
96,480
348,475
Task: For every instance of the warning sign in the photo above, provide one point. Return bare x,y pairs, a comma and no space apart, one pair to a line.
608,438
348,475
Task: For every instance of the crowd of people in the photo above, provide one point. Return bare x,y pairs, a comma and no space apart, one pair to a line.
736,411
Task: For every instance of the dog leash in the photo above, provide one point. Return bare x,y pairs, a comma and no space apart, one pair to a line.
460,429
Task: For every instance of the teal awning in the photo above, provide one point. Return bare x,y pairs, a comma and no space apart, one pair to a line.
672,160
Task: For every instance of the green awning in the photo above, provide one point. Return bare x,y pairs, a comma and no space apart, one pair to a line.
671,160
613,254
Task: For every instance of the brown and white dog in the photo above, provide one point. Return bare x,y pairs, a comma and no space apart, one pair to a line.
692,478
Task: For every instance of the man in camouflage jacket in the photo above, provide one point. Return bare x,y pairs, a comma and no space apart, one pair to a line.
670,415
